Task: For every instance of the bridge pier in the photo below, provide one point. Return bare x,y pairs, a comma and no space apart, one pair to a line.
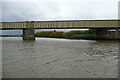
107,34
28,33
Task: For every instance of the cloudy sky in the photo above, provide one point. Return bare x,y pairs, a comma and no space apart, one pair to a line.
37,10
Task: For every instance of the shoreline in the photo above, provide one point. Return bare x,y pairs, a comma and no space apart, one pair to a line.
65,38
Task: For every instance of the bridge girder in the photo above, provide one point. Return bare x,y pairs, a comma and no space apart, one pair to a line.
62,24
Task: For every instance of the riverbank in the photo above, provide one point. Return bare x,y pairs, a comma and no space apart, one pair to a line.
73,35
10,35
89,34
64,38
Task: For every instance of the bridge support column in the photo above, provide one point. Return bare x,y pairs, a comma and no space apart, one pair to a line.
107,34
28,33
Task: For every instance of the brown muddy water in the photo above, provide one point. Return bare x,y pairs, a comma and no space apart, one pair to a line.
59,58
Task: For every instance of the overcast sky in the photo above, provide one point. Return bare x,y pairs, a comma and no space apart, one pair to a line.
37,10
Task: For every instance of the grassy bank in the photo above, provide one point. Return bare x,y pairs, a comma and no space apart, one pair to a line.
89,34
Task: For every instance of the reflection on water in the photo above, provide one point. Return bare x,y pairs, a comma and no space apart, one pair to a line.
59,58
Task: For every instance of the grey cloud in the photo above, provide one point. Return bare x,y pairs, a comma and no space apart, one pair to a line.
53,10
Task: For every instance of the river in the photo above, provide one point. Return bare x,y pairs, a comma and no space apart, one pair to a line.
59,58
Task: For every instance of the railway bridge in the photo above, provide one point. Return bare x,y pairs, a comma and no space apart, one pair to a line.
102,27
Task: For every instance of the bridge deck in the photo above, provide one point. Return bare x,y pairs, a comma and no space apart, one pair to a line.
61,24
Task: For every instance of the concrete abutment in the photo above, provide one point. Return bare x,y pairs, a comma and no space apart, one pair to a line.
107,34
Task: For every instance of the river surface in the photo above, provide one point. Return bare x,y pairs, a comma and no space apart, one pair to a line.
59,58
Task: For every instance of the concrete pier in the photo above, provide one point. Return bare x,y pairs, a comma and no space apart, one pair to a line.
28,33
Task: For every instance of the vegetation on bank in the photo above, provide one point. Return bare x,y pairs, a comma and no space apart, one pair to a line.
88,34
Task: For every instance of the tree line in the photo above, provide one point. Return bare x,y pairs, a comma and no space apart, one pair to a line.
87,34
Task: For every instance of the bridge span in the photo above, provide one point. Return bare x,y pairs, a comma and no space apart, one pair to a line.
100,25
61,24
